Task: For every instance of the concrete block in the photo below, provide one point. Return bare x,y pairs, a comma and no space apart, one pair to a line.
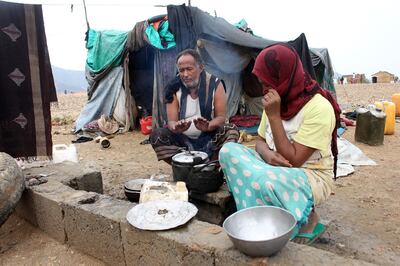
44,207
79,176
25,207
210,213
214,207
219,198
93,226
192,244
233,257
291,254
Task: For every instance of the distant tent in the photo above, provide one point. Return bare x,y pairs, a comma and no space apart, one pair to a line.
147,63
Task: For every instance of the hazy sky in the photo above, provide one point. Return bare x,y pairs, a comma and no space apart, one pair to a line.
361,36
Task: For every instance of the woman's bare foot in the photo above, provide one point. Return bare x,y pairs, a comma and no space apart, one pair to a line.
307,228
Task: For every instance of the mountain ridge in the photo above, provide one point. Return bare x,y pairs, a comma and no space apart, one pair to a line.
68,80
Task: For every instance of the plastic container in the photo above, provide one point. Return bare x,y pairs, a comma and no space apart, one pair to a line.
390,110
157,190
62,152
146,125
396,101
370,126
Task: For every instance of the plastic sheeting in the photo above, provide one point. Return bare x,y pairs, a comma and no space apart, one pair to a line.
104,49
164,71
161,38
225,49
323,68
348,156
103,100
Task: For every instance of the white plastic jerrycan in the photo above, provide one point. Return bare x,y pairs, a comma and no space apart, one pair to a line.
62,152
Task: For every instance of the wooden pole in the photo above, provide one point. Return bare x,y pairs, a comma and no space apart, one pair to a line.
87,22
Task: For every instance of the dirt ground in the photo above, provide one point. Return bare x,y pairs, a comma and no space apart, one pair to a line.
363,215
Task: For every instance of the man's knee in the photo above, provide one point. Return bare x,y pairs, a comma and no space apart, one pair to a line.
160,136
228,133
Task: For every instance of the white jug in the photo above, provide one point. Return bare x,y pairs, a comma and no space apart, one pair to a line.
62,152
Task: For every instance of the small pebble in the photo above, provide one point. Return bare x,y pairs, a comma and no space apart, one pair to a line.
42,179
33,182
340,245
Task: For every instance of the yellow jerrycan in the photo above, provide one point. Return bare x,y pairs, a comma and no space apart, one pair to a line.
390,110
396,101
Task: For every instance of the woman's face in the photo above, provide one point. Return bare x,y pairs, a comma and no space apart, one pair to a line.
266,87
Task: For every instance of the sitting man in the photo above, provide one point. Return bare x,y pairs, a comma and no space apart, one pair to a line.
196,107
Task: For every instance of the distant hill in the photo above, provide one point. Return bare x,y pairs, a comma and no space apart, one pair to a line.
69,80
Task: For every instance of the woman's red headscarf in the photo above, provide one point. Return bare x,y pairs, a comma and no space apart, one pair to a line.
280,67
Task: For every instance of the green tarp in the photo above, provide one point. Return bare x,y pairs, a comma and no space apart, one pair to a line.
161,39
104,49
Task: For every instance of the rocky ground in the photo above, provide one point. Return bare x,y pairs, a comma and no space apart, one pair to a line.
363,215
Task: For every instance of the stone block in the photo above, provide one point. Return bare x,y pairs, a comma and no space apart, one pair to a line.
210,213
214,207
192,244
291,254
46,202
219,198
25,207
93,226
79,176
12,185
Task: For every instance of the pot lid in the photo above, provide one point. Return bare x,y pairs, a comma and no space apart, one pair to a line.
161,214
135,184
187,156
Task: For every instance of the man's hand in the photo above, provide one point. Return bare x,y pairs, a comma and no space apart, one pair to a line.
201,124
272,104
276,159
181,126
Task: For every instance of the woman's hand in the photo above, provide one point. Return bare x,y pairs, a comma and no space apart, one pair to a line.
272,104
276,159
269,156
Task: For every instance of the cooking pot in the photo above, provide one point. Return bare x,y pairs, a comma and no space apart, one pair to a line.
195,169
132,189
205,178
183,162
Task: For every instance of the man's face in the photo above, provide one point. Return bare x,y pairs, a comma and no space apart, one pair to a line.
189,71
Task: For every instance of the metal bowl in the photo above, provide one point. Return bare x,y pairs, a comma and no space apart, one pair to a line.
135,184
260,231
132,189
132,195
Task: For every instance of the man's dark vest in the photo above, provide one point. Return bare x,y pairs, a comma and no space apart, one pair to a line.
208,85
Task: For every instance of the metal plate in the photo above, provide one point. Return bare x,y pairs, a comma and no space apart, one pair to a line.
161,214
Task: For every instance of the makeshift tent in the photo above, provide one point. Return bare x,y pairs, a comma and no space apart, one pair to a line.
148,63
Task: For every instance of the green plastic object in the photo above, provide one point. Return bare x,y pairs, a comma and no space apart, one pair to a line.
370,126
105,48
161,39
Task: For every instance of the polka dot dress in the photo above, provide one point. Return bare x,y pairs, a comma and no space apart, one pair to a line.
254,182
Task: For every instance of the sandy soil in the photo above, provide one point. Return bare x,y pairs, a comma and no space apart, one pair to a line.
363,215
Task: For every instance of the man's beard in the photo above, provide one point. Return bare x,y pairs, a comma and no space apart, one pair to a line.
191,85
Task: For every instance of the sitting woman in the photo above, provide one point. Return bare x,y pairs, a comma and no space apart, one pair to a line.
292,166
